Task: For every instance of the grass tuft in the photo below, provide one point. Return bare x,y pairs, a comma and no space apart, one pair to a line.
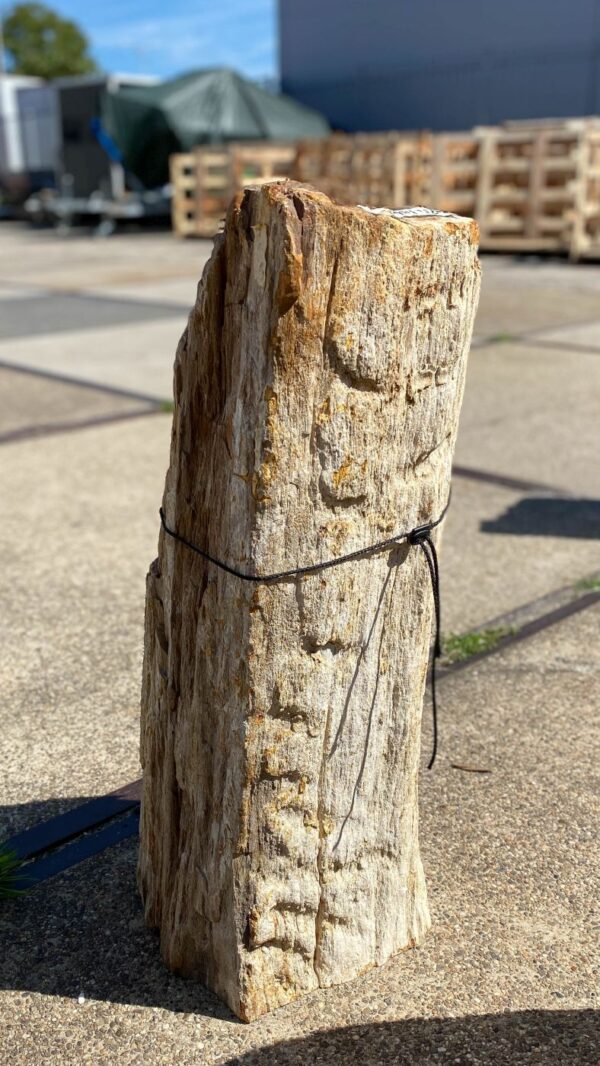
587,584
501,338
9,864
167,407
457,647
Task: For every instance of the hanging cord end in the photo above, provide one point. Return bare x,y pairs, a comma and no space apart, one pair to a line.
421,537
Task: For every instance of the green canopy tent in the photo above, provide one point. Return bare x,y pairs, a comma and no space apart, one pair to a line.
148,123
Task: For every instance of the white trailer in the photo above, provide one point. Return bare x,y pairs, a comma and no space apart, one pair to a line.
28,133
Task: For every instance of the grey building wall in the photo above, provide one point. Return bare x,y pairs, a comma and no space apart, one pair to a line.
440,64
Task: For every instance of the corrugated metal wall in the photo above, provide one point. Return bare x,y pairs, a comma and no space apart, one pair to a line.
441,64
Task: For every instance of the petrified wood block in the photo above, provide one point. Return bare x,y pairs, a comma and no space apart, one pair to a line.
317,393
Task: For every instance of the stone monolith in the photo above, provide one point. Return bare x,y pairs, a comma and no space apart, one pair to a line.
317,393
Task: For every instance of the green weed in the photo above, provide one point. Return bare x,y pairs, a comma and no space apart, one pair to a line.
457,647
501,338
9,864
587,584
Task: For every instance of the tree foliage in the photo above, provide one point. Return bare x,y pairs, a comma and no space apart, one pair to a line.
42,43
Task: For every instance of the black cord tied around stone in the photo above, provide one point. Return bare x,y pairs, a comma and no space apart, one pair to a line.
420,537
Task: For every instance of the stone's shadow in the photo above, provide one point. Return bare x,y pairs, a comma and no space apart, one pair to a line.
543,1037
83,932
547,516
15,819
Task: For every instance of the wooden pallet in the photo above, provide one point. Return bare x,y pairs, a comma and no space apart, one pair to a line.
531,186
205,181
526,185
585,229
375,169
182,171
454,163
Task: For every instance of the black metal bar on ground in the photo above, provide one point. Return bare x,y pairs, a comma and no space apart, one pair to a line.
59,830
526,337
530,629
565,346
505,481
55,862
33,432
95,386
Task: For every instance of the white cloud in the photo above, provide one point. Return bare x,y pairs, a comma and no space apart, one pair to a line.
236,32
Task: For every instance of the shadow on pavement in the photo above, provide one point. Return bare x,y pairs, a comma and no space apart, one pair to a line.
545,1037
83,932
545,516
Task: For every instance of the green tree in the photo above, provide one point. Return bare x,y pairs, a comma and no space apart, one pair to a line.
42,43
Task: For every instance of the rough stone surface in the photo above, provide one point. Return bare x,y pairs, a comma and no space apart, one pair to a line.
317,392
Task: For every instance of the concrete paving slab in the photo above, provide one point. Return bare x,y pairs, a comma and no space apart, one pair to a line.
519,295
532,412
544,270
10,292
77,262
585,335
486,572
30,403
79,530
181,292
61,312
138,356
506,975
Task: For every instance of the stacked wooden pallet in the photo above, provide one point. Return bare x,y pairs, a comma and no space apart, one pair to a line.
585,228
453,172
532,186
205,181
526,187
378,169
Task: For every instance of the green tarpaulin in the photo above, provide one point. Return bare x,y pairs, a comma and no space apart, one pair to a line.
149,123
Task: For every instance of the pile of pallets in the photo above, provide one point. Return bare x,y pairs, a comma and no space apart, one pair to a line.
584,206
532,186
377,169
538,187
453,171
527,185
205,181
374,169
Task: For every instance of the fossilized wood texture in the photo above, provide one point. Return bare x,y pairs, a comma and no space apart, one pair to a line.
317,393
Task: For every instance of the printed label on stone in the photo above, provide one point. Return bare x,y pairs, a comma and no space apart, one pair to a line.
410,212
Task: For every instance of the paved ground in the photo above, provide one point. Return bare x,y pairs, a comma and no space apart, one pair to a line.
508,974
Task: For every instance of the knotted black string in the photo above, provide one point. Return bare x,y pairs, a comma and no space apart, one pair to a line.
420,536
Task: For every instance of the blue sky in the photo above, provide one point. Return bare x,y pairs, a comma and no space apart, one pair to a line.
154,37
